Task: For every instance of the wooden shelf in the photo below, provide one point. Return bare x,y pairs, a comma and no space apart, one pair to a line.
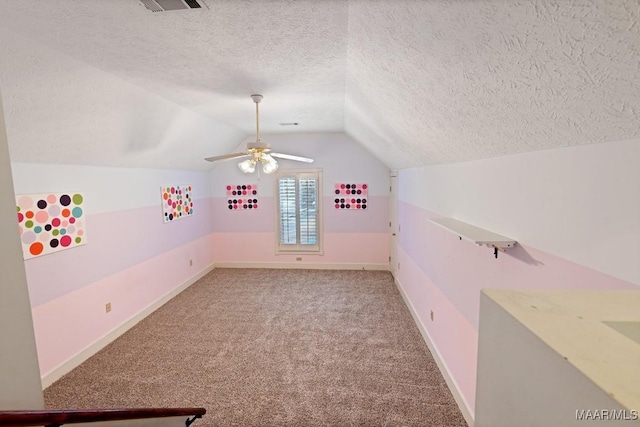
474,234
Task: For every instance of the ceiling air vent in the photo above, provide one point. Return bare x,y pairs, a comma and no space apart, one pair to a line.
167,5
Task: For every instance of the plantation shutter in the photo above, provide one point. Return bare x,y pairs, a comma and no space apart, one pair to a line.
288,211
308,213
298,212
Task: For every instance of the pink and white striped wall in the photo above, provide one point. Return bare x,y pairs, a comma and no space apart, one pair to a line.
74,326
132,260
136,262
351,238
439,273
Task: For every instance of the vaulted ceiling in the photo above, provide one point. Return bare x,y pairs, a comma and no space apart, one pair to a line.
415,82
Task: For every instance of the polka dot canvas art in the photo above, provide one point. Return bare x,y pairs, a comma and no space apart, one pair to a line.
177,202
50,222
351,196
242,197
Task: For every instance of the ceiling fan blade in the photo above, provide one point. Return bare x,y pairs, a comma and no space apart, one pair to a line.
227,157
292,157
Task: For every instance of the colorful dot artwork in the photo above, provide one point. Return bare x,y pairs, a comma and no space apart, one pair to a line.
50,222
177,202
351,196
242,196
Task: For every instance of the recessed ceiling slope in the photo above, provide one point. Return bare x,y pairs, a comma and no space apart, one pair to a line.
416,82
208,60
434,81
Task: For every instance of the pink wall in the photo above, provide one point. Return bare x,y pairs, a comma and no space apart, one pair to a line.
349,237
340,249
132,259
453,335
66,325
440,273
117,240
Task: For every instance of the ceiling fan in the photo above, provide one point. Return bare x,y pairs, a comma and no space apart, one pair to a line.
258,152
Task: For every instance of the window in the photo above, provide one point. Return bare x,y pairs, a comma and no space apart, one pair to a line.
299,207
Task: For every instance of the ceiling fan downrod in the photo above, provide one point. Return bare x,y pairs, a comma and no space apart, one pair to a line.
257,98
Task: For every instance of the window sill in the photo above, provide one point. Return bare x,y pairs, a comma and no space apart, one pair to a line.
299,252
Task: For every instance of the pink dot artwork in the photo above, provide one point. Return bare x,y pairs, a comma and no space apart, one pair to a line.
351,196
242,197
65,240
42,217
177,202
43,223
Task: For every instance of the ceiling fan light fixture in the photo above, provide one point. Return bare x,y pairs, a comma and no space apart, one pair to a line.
258,151
247,166
270,164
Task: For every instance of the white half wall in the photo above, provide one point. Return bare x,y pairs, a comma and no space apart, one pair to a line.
523,381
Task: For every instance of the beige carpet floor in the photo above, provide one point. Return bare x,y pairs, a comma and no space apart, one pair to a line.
260,347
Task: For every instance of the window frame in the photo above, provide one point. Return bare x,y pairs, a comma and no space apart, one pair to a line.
298,248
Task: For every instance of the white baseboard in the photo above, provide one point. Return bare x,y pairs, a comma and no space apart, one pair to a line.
98,345
301,265
451,382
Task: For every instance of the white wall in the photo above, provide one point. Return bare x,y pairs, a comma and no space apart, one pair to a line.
19,373
107,189
579,203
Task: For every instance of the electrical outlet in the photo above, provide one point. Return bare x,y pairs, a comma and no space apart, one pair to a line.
298,258
107,307
431,315
190,263
398,266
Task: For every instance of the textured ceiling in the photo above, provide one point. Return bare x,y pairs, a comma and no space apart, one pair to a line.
416,82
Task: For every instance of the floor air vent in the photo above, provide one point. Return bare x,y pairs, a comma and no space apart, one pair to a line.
167,5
